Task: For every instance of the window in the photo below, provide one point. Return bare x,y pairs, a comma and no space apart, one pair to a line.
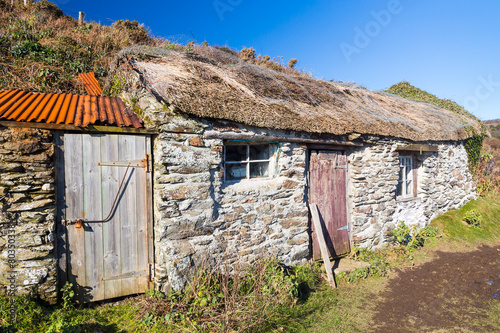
247,161
405,188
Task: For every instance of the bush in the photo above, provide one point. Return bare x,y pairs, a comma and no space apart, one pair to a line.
473,218
136,32
247,53
411,236
19,51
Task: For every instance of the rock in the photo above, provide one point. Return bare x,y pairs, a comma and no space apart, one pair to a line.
39,158
48,187
198,192
23,147
348,265
289,184
11,167
196,141
26,206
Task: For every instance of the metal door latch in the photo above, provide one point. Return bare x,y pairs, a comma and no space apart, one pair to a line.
78,223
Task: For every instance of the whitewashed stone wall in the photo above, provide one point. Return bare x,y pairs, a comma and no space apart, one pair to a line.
201,219
27,216
444,183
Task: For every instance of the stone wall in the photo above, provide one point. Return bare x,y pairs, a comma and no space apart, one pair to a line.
444,183
199,217
27,217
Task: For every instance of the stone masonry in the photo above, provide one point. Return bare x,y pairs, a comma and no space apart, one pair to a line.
444,183
198,217
27,217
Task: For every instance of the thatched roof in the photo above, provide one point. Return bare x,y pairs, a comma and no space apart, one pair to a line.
210,83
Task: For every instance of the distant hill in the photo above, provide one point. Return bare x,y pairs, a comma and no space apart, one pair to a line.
493,127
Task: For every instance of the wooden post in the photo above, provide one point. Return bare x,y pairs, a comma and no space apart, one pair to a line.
81,16
322,245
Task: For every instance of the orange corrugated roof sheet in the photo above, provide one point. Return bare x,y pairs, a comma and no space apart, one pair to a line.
77,110
90,83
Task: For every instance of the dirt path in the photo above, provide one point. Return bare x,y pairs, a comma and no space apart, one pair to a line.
452,293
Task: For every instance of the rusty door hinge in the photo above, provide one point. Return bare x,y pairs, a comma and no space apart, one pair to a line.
149,163
151,272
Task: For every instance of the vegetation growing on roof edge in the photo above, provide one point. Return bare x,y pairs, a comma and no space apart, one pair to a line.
473,147
473,144
406,90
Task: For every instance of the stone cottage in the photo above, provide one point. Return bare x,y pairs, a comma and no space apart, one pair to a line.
230,158
243,149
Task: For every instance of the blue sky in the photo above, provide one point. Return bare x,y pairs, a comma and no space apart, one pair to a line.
448,48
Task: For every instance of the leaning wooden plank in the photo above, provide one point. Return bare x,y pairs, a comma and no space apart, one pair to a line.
322,245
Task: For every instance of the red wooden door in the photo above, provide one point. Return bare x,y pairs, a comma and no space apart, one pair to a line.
328,190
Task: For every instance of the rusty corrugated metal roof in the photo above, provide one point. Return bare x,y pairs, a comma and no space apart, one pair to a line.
77,110
90,83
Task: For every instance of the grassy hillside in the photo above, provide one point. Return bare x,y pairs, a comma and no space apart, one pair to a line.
41,49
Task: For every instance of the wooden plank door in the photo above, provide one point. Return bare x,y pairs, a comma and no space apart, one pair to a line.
109,259
328,190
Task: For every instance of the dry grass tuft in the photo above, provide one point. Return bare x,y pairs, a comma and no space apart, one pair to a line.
248,299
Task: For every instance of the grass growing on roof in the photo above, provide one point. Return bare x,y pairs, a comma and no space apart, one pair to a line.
406,90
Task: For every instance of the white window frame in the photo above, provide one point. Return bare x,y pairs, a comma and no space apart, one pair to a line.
248,161
405,162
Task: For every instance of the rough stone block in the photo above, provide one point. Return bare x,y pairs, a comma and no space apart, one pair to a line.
26,206
183,192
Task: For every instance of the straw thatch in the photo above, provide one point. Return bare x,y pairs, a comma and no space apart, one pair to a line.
209,83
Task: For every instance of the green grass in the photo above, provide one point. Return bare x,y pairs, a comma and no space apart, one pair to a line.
33,317
406,90
318,308
456,231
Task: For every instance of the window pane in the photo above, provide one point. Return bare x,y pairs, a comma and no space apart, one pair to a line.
409,189
260,152
408,173
236,153
401,173
399,189
259,169
236,171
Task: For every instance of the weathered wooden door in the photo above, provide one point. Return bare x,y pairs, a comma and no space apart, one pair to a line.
111,258
328,190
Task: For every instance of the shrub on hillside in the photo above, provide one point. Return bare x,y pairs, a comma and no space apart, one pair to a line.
136,32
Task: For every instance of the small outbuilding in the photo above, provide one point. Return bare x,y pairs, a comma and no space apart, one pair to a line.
217,165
